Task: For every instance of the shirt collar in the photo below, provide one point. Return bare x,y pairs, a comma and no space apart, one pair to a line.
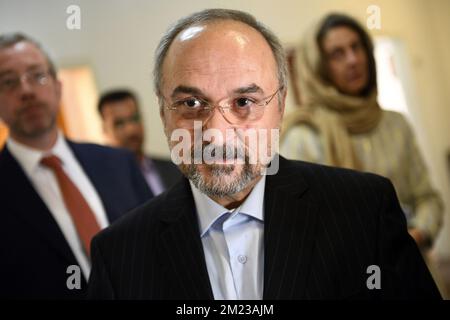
29,158
209,211
147,164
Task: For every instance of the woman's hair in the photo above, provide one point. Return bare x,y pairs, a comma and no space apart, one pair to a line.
335,20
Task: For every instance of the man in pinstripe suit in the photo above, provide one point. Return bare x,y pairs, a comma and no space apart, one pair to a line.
229,232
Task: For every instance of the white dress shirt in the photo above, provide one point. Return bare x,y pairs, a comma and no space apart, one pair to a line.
233,243
46,185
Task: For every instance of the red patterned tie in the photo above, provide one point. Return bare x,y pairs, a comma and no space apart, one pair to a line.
82,215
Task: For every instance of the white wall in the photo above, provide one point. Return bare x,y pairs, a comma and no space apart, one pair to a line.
117,39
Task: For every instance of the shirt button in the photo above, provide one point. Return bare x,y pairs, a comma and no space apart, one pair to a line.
242,259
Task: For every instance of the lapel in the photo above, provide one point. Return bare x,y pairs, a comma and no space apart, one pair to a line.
289,237
289,233
162,171
182,243
25,203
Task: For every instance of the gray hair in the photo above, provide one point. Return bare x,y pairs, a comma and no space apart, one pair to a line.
10,39
211,15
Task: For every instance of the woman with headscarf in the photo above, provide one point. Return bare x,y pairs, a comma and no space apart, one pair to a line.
339,121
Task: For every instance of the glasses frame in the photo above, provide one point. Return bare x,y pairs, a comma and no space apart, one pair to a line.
32,77
211,106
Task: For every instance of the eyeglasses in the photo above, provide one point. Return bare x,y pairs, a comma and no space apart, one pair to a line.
34,78
237,110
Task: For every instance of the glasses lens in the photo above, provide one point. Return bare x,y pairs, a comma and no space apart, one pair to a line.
235,111
241,115
186,118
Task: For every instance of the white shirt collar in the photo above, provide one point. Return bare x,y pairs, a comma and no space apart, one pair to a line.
29,158
209,211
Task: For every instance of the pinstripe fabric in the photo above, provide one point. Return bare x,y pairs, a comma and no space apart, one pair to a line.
323,227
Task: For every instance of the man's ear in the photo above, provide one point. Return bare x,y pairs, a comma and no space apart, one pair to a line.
161,113
106,133
58,89
103,125
283,103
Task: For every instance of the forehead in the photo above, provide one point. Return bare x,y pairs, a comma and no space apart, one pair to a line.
218,52
21,56
341,36
120,108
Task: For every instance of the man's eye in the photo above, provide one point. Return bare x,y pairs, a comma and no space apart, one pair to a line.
192,103
119,123
244,102
38,75
9,82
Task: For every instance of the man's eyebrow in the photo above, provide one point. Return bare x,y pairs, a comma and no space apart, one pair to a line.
6,72
252,88
186,90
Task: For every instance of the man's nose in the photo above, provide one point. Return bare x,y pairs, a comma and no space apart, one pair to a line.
25,88
219,127
131,126
217,120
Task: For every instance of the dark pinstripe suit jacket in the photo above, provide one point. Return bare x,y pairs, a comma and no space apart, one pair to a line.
323,228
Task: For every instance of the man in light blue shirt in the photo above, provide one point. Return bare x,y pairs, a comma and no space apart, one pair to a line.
236,227
233,244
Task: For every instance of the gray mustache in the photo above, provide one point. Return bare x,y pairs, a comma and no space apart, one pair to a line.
227,151
29,105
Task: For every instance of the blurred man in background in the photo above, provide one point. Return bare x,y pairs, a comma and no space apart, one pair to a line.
123,127
55,195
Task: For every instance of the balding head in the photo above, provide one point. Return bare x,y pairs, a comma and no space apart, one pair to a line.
221,74
209,16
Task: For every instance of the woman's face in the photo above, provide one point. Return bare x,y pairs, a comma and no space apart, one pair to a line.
346,60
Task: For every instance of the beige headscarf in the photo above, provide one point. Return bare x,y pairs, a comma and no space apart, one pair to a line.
334,115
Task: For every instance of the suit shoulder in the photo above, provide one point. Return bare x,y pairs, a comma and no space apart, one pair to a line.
4,155
162,163
98,148
141,219
158,159
93,149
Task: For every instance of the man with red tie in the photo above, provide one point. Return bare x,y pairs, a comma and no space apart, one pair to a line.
55,194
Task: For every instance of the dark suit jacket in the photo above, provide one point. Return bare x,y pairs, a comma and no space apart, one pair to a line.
323,227
168,172
34,254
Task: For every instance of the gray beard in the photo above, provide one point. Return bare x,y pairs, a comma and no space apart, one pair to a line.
219,183
222,181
